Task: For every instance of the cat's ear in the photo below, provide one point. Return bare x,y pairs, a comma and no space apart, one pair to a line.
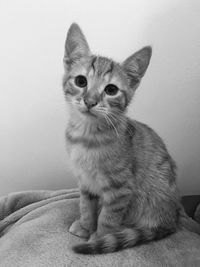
76,45
136,65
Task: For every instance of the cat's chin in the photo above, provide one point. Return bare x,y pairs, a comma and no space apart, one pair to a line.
84,116
88,114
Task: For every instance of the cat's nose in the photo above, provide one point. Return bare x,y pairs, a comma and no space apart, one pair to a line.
90,103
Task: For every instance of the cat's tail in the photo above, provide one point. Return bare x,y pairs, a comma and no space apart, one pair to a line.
125,238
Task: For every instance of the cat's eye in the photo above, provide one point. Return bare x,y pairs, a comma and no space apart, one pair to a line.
80,81
111,89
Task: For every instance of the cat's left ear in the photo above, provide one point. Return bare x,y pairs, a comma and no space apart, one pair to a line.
136,65
76,45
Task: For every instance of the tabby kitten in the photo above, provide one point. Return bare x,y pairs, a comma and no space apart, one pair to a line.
126,177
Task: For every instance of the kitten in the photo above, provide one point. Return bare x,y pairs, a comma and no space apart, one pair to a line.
126,176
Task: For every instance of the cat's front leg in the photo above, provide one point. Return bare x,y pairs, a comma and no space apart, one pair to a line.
87,223
112,214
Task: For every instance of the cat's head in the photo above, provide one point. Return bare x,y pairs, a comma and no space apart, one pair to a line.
95,86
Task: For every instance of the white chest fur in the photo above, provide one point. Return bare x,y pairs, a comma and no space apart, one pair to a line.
85,165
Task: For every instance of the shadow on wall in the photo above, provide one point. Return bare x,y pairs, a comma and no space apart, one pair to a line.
168,99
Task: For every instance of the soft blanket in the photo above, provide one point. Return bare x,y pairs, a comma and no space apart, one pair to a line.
34,232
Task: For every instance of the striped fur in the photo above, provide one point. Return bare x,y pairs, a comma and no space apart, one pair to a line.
125,238
126,176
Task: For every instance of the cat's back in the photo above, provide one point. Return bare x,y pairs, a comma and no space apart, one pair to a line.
149,148
145,137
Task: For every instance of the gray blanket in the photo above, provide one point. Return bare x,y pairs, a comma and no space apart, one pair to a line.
34,232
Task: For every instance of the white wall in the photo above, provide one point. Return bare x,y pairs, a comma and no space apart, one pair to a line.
32,108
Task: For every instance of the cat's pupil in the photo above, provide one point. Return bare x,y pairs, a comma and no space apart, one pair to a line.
81,81
111,89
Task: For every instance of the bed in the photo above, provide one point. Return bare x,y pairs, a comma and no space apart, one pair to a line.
34,232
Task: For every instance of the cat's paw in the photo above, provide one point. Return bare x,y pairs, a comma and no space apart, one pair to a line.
93,237
78,230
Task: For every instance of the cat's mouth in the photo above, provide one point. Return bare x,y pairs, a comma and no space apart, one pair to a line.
88,112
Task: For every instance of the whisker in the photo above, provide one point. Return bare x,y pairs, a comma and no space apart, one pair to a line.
108,119
123,121
113,125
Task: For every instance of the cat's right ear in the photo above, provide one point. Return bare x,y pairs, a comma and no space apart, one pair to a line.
76,45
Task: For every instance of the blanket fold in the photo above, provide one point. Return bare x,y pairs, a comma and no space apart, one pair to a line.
34,232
